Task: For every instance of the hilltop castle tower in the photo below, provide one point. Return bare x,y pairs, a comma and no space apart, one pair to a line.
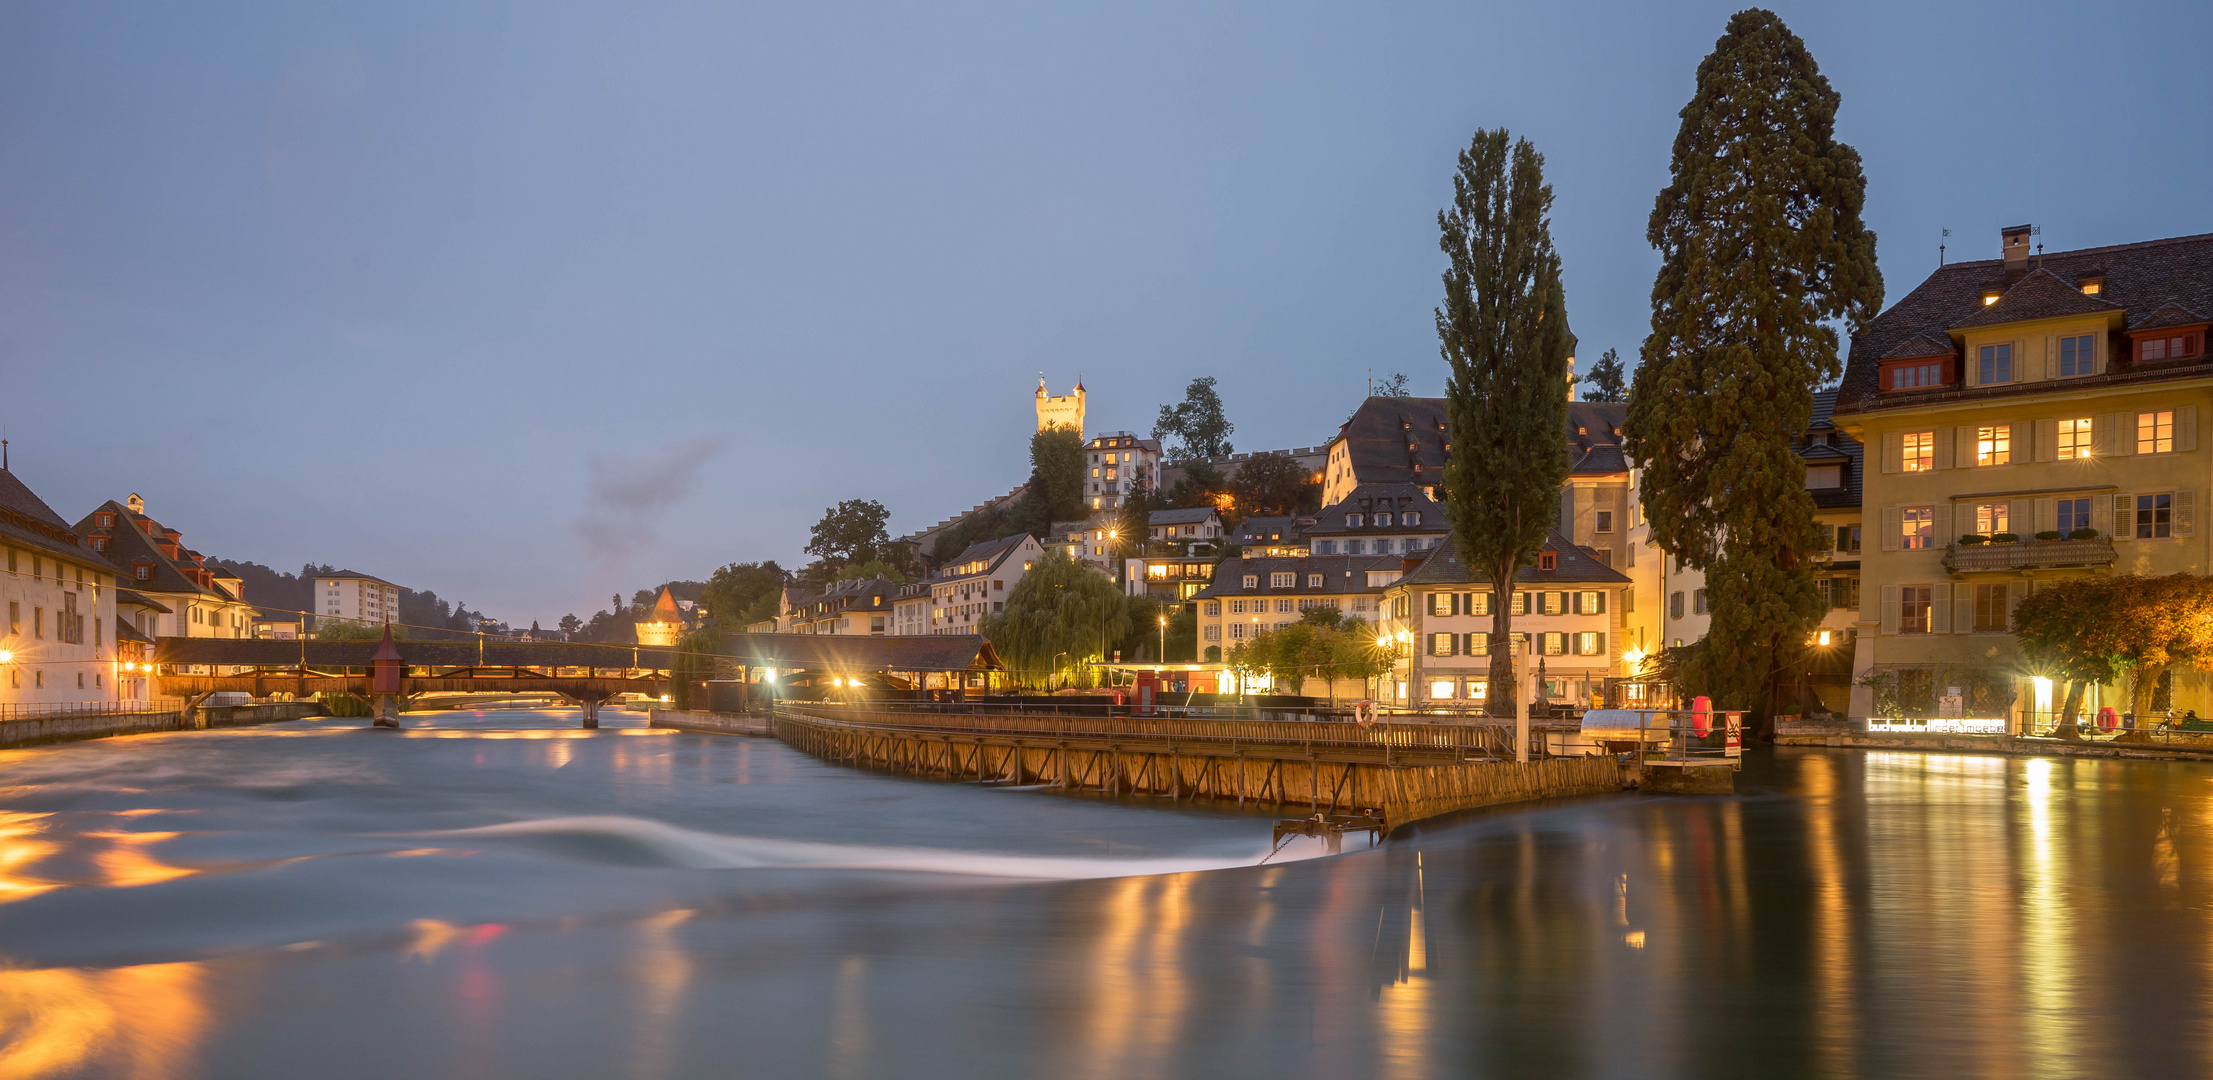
1066,411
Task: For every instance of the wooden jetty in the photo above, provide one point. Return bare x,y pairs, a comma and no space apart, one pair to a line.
1396,773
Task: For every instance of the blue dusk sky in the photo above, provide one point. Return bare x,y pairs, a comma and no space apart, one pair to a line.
527,303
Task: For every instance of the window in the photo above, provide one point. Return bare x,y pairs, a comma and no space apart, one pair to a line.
1353,547
2074,438
1992,518
1847,538
1252,581
1441,644
1917,527
1237,631
1604,521
1591,603
2076,355
1479,603
1994,364
1913,609
1994,444
1213,632
1352,521
2168,348
1548,560
1313,581
1920,451
1479,644
15,617
1410,519
1440,688
1283,580
1698,602
1284,606
1383,519
1844,592
1990,609
1589,644
1914,376
1325,547
2153,515
1214,609
1237,607
1675,605
1555,644
2155,432
2072,514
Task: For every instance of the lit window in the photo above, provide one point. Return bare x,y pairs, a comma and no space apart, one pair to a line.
1994,444
1917,527
1441,688
2155,432
1913,609
2076,355
1920,451
1993,518
2074,439
1994,364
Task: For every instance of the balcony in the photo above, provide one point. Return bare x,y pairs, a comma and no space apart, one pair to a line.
2028,555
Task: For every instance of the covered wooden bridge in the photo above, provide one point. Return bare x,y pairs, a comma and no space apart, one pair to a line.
836,667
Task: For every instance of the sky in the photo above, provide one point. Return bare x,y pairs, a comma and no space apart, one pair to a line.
531,303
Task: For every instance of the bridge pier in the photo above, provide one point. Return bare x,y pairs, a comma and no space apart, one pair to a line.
386,710
591,711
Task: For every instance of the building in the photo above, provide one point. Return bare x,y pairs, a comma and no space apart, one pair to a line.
357,598
1167,578
1272,535
1188,526
1404,440
975,583
199,600
280,626
854,606
664,624
910,610
1119,465
1379,519
58,645
1438,619
1065,411
2033,418
1249,596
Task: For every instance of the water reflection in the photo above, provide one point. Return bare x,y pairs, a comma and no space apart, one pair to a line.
141,1022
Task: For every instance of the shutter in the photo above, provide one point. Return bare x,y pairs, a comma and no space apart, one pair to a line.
2124,435
1599,597
2020,361
2101,515
2047,440
1966,439
2024,517
1940,613
2016,591
1890,609
1890,528
1963,608
2101,435
1944,534
2098,351
2186,512
2051,357
1575,603
1600,637
2047,515
2186,427
1943,454
2124,517
1436,608
1894,453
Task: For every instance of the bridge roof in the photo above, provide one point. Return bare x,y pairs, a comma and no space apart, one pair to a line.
275,653
826,652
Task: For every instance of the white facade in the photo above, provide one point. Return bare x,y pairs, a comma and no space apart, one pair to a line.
57,644
975,586
1116,466
358,598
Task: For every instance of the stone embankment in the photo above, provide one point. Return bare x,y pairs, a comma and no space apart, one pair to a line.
1845,736
716,723
68,727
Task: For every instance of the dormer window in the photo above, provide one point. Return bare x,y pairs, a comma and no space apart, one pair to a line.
1352,521
1913,376
1410,519
1990,296
2091,286
2169,346
1548,560
1383,520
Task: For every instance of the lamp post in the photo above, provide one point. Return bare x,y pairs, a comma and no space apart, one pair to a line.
1056,669
1163,639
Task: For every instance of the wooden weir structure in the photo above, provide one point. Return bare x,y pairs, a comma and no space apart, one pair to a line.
1341,771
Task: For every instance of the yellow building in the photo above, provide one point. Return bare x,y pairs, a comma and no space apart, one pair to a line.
2028,419
665,624
1059,410
1250,596
198,600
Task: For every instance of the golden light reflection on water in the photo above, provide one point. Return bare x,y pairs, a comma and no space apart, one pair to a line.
21,847
1836,1015
127,863
1405,1007
143,1022
662,970
2047,938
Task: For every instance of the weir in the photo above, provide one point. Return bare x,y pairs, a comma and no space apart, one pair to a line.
1400,773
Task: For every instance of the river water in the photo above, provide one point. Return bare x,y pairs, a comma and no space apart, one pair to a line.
503,895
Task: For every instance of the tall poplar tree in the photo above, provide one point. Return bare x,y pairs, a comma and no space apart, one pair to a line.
1762,248
1504,335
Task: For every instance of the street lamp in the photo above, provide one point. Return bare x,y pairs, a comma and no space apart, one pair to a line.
1163,657
1056,667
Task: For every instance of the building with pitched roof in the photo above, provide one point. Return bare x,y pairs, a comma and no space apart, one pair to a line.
664,624
852,606
975,583
1251,595
1119,465
1378,519
202,600
1437,618
57,646
1273,534
2033,418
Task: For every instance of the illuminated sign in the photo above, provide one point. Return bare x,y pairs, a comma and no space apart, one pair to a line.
1943,725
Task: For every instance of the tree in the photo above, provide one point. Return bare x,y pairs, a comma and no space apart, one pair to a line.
354,630
1395,386
850,532
734,589
570,624
1273,482
1319,646
694,661
1060,606
1608,382
1197,422
2087,630
1056,471
1503,330
1761,248
1201,485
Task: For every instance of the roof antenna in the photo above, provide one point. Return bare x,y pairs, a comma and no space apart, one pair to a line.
1940,250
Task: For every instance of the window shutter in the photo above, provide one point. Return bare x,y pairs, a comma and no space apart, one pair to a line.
2124,517
2098,350
1600,637
2185,513
1890,609
1434,605
2016,591
2020,361
1966,438
2101,435
2047,440
1944,534
1599,598
1890,528
2051,356
2047,515
2186,427
2024,521
2101,516
1894,451
2124,435
1943,455
1940,613
1963,608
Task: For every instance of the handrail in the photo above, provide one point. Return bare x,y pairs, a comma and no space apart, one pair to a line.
1486,740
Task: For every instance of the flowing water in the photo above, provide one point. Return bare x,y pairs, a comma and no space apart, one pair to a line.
502,895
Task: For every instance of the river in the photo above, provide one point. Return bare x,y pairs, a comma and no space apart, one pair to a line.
502,895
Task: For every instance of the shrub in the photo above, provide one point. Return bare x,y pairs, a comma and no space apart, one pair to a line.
1972,539
2005,538
2048,534
2083,534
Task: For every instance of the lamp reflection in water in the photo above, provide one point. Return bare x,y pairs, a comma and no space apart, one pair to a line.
1405,1007
662,970
144,1022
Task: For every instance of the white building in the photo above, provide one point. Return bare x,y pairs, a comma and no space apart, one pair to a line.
196,600
356,598
57,646
1116,466
975,584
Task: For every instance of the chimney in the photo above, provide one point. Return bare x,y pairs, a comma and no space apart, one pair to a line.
2016,243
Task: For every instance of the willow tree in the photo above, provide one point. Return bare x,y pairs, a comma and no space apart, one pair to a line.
1061,608
1503,331
1762,250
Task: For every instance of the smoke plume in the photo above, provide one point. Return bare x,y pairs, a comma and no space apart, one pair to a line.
626,496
